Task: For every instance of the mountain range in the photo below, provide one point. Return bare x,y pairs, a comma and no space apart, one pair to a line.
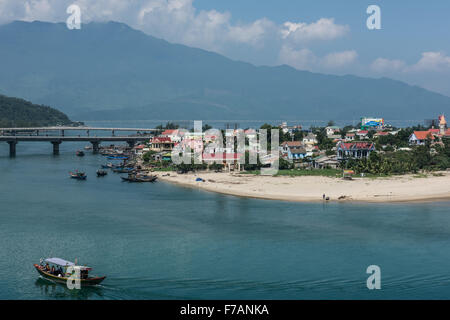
108,71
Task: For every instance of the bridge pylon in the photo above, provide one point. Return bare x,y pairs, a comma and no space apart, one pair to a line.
12,148
55,147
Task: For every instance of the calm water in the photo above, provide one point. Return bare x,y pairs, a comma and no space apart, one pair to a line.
158,241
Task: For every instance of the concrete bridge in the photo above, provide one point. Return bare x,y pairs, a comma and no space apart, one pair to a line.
57,135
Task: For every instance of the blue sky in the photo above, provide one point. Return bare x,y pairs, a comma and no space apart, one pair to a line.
326,36
408,27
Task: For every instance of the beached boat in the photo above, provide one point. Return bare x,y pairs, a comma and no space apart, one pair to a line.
101,173
80,153
78,175
139,178
55,269
123,170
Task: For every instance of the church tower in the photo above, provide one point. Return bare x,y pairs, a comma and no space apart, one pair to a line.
442,125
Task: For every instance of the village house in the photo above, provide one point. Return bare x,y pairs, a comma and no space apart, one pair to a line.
175,135
433,134
362,134
310,139
355,150
230,161
139,149
420,137
325,162
380,134
292,150
332,131
161,144
350,136
286,145
194,144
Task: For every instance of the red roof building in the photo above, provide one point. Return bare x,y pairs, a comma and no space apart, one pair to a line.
420,137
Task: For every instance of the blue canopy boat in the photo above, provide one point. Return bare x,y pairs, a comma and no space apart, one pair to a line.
58,272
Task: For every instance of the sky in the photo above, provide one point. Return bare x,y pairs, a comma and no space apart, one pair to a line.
326,36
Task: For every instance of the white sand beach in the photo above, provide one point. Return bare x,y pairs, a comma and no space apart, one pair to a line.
311,188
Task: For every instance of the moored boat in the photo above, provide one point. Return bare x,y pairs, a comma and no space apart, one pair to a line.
56,270
101,173
78,175
117,157
123,170
80,153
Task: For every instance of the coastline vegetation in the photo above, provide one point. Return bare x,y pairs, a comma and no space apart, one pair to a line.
16,112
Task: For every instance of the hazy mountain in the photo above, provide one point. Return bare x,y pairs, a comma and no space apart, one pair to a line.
111,71
16,112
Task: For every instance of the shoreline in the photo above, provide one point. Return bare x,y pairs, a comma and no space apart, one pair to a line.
310,189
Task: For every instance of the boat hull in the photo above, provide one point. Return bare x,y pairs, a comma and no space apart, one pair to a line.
63,280
152,179
79,178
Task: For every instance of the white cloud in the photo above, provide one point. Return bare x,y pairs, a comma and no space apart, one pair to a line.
429,62
383,65
305,59
432,61
339,59
177,21
253,33
322,29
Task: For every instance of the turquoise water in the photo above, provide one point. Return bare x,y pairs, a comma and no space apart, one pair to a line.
159,241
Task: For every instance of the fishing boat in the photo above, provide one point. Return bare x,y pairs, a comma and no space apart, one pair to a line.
110,165
123,170
101,173
78,175
55,269
117,157
139,178
80,153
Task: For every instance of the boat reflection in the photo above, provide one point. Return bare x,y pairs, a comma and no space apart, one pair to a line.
55,290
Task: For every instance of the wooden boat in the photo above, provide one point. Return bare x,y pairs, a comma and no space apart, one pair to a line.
78,175
80,153
139,178
111,166
60,275
123,170
101,173
117,157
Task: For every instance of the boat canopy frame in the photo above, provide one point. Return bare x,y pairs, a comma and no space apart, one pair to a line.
64,263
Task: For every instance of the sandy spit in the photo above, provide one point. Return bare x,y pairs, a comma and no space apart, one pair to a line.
405,188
